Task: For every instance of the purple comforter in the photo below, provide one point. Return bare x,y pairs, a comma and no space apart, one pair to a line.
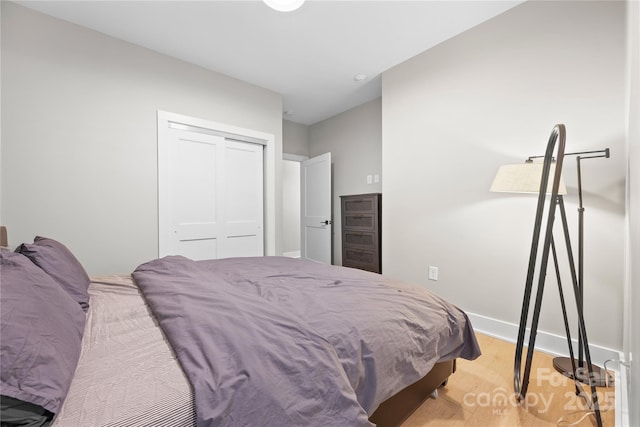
273,341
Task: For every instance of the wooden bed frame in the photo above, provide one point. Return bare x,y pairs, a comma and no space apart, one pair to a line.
395,410
3,236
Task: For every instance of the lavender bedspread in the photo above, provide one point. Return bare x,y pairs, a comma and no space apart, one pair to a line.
273,341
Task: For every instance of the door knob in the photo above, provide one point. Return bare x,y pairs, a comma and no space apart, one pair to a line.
327,222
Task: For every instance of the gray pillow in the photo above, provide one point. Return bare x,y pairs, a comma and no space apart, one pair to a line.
42,330
58,262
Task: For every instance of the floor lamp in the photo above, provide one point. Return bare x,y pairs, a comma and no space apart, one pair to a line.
564,365
546,179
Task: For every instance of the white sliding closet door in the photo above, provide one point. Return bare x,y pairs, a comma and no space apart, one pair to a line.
210,196
243,200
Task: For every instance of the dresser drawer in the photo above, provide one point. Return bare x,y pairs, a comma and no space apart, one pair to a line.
360,221
361,258
363,204
360,239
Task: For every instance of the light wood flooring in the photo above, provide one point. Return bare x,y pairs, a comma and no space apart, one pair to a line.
480,393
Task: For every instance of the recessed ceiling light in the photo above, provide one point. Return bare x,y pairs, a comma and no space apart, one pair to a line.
359,77
284,5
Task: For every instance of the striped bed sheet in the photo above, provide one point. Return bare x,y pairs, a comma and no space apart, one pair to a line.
127,375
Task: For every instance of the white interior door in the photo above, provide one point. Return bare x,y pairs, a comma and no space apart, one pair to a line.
315,209
210,196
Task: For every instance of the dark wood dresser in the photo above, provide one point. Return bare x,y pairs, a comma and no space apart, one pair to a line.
361,231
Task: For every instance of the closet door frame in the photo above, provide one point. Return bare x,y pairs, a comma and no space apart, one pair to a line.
167,121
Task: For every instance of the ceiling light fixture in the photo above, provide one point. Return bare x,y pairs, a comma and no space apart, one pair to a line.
359,77
284,5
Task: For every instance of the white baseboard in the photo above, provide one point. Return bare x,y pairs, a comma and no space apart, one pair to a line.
293,254
546,342
556,345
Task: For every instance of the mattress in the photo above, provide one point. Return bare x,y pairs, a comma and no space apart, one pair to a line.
127,374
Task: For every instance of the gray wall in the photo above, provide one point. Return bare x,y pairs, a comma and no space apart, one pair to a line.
295,138
354,139
491,96
632,291
79,158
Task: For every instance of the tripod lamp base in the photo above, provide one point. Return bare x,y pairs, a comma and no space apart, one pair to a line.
599,376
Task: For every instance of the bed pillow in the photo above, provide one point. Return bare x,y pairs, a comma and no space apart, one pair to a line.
58,262
42,329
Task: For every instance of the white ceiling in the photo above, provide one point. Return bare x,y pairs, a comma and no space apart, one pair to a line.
309,56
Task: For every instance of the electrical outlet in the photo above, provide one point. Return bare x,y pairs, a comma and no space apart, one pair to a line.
433,273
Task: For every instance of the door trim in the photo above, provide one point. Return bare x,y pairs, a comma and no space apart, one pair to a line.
167,119
294,157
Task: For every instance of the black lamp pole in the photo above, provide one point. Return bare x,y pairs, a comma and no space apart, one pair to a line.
565,365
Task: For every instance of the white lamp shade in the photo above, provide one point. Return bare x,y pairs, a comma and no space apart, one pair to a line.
284,5
524,178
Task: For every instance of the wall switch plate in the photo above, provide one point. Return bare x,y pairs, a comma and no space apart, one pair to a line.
433,273
369,179
376,178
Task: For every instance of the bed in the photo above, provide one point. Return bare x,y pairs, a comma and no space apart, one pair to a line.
231,342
